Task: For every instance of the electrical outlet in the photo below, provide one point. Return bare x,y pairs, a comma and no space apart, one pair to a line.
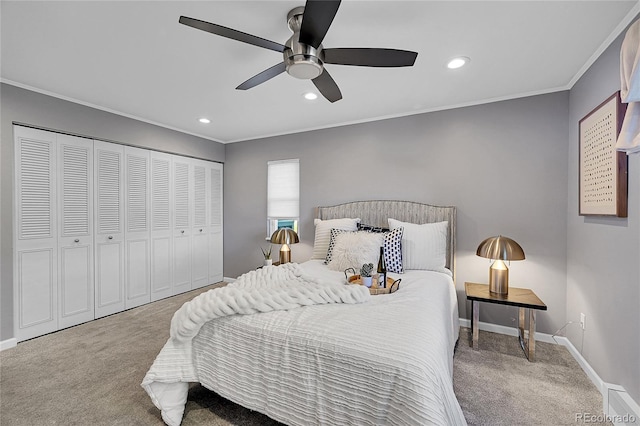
583,318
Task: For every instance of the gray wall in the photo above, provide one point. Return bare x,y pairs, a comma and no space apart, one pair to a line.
603,254
27,107
504,165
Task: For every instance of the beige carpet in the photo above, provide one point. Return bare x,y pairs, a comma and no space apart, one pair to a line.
90,375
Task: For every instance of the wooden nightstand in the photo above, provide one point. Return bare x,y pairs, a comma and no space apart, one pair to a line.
523,298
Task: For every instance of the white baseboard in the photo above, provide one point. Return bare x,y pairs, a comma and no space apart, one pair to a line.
620,408
509,331
8,344
617,405
228,279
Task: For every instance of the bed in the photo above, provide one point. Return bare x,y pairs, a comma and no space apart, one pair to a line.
342,357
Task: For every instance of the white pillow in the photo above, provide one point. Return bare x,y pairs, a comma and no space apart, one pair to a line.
423,246
354,249
323,234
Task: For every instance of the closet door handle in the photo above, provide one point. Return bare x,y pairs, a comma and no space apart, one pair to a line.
200,230
182,232
76,240
110,237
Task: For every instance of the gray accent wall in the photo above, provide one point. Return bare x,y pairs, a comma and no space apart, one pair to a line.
28,107
603,253
504,165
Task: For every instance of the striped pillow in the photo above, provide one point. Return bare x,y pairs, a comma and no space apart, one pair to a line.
323,234
423,246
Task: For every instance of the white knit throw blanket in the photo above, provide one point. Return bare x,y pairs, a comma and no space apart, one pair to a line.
271,288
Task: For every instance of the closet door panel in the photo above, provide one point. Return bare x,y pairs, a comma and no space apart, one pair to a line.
35,234
76,285
215,223
109,228
181,225
137,281
200,229
161,272
109,279
161,235
137,252
75,240
36,312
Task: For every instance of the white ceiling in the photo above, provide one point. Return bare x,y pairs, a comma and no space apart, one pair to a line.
135,59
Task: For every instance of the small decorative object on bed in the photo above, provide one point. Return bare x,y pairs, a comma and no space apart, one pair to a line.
376,288
365,274
499,249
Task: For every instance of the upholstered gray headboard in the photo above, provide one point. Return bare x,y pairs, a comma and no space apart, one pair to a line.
377,213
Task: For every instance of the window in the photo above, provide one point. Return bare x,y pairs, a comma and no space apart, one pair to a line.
283,195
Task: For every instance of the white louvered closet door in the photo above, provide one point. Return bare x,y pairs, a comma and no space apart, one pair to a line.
215,251
161,238
200,228
137,281
181,224
35,235
75,230
109,228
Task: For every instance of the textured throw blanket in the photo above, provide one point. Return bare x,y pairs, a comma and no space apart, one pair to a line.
268,289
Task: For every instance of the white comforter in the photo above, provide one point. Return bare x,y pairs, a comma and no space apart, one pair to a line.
386,361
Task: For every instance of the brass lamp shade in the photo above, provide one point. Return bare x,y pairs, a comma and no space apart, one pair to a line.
500,249
285,236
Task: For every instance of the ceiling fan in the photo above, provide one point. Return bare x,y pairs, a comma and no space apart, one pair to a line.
304,56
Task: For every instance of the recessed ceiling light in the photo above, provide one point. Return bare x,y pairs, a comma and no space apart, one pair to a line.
204,120
458,62
310,96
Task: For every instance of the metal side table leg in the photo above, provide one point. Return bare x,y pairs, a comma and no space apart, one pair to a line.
475,320
532,335
527,336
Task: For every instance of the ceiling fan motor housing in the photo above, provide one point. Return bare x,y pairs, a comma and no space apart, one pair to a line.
302,60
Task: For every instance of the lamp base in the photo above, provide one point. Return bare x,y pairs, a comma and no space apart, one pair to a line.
285,254
499,278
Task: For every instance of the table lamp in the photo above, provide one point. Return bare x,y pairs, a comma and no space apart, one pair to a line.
500,249
285,236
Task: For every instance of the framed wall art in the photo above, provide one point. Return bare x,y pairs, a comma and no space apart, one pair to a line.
602,170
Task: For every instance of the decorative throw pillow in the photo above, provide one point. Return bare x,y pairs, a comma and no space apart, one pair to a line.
353,249
392,248
332,242
423,246
371,228
323,234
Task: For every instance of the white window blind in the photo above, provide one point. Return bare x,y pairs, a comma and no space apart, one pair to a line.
283,189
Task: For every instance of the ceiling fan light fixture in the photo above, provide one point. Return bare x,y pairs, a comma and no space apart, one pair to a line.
302,60
458,62
204,120
310,96
304,69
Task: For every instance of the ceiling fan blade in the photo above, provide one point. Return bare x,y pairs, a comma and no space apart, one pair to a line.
370,57
327,87
231,33
316,20
265,75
